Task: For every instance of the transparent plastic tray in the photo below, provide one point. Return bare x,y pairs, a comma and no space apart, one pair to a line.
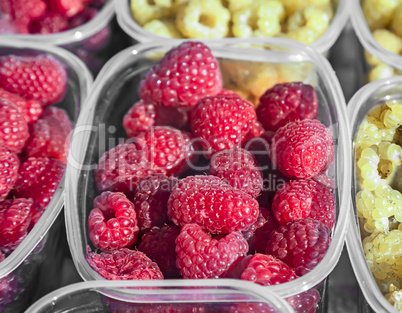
20,268
361,103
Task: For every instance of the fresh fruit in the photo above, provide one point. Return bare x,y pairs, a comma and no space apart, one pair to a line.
41,77
159,244
14,130
223,122
305,302
38,178
303,198
122,168
112,222
124,264
302,149
287,102
301,244
201,256
211,203
9,164
150,200
185,75
49,23
266,270
238,168
67,8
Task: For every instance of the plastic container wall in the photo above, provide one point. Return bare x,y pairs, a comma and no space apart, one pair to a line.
368,97
19,271
392,60
129,296
78,39
115,91
323,44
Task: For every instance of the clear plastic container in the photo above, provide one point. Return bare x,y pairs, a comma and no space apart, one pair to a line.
76,39
129,296
114,92
323,44
19,271
368,97
392,61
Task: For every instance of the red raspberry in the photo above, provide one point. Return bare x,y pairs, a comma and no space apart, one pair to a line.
258,241
223,121
49,23
325,180
258,146
40,77
301,244
302,149
8,286
124,264
255,130
287,102
50,135
239,169
39,178
201,256
150,200
31,110
142,117
7,26
112,222
237,268
23,11
16,221
251,307
9,163
185,75
159,245
14,131
261,220
305,302
303,198
122,168
83,17
165,147
67,8
266,270
211,203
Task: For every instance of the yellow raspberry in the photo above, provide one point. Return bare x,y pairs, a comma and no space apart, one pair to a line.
307,25
235,5
394,297
378,13
396,24
203,19
388,40
380,71
292,6
144,12
163,27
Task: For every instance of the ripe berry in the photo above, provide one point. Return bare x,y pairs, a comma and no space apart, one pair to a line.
201,256
305,302
302,149
150,200
39,178
211,203
301,244
303,198
266,270
224,122
9,163
40,77
159,245
239,169
122,168
185,75
8,286
124,264
50,135
287,102
67,8
23,11
49,23
14,130
31,110
112,222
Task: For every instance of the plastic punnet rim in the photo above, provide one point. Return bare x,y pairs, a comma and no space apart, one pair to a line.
73,35
299,53
54,207
365,278
135,31
367,39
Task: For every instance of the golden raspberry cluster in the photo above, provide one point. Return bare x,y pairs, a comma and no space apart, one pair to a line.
302,20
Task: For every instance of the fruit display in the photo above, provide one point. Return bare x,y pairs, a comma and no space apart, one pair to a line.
383,19
36,110
305,21
187,198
